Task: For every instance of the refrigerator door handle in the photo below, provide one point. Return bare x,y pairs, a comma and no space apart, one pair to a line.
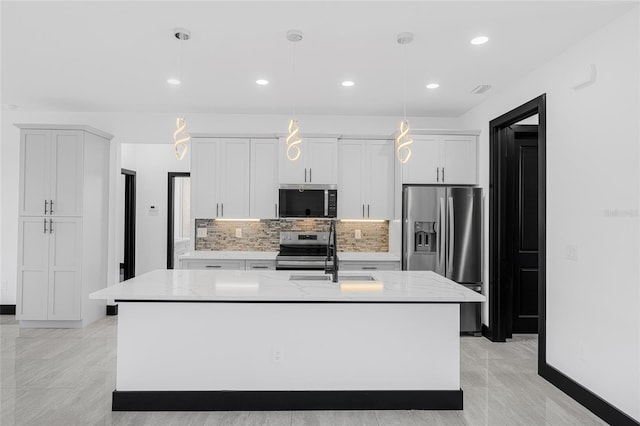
451,239
441,234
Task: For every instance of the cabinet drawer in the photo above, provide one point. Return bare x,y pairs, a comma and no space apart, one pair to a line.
261,264
212,264
369,266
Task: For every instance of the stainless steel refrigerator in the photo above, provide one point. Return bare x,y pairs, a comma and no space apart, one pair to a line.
442,232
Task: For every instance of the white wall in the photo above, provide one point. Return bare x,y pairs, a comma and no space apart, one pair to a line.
148,128
151,162
593,171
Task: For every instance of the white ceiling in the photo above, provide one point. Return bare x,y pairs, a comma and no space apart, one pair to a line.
116,56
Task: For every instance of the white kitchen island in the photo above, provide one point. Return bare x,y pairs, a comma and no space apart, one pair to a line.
257,340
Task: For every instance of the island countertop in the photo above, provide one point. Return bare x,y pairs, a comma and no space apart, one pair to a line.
276,286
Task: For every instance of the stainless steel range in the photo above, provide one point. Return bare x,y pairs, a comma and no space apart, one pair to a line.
303,251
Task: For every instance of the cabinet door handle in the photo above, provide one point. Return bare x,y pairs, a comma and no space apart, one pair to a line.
363,210
368,206
217,209
51,207
46,203
276,209
50,226
222,209
213,266
45,225
369,268
310,180
259,267
305,175
443,174
437,174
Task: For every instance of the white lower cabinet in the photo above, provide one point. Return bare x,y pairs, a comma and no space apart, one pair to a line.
211,264
49,271
350,265
261,264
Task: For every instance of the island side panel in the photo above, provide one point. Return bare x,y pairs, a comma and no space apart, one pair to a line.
287,346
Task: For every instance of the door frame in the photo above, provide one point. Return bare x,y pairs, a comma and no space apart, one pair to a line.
170,216
129,223
498,288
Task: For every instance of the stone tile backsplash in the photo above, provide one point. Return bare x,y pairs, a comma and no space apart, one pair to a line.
264,235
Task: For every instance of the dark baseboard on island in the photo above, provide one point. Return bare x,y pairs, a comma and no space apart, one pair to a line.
7,309
286,400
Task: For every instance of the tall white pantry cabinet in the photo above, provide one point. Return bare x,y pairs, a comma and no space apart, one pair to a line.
62,226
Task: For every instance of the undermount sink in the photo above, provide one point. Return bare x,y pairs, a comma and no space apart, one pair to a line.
293,277
356,278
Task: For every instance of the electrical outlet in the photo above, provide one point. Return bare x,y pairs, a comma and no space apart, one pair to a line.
571,252
358,234
238,232
201,233
276,355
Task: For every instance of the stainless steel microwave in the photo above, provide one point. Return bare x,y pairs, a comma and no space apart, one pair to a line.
308,201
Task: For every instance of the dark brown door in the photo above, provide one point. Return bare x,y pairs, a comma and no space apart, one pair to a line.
522,226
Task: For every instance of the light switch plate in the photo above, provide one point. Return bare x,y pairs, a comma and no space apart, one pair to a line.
238,232
571,252
202,233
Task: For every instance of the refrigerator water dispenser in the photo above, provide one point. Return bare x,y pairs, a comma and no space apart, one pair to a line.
424,237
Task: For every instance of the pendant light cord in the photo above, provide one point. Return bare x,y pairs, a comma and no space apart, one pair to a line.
294,80
404,84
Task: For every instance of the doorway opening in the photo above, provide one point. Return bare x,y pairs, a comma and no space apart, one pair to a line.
178,216
128,265
517,224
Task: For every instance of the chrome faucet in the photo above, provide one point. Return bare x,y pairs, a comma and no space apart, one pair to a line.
332,253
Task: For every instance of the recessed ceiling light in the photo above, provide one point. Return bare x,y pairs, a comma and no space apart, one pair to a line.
479,40
262,82
433,86
348,83
173,81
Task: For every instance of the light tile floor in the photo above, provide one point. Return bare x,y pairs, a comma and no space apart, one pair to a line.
65,377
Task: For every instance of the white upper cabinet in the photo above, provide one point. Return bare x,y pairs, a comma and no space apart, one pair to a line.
204,170
460,163
317,164
366,176
220,178
424,164
264,178
234,178
351,179
52,172
442,159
